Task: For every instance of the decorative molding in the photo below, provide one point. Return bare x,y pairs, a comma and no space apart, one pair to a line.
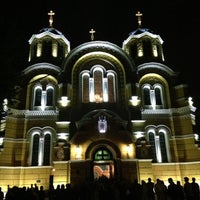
33,114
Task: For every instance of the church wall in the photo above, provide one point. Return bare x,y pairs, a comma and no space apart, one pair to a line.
129,170
22,176
177,171
184,149
78,171
40,123
180,92
61,172
182,125
144,169
7,154
14,127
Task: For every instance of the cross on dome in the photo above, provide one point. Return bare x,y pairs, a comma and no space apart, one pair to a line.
92,31
51,14
139,15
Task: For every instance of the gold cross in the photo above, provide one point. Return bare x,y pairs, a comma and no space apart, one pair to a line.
92,31
51,13
138,15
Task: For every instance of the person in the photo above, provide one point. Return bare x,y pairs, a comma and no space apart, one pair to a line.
180,191
171,190
1,194
41,193
144,190
160,190
150,189
195,189
136,190
187,189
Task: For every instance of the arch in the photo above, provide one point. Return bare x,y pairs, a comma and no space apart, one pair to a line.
102,144
41,142
154,91
98,85
43,89
153,95
158,138
103,154
102,50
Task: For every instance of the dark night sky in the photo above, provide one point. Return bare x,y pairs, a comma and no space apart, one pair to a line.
177,22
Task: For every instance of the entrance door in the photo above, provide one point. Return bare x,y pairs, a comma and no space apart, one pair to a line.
103,170
103,163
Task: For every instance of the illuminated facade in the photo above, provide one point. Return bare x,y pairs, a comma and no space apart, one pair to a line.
98,109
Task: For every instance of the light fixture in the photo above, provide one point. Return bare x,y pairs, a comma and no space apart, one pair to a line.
134,101
102,124
64,101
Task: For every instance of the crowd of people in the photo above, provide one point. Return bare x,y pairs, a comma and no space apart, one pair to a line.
107,189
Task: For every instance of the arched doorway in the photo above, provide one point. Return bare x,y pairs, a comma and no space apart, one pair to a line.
103,165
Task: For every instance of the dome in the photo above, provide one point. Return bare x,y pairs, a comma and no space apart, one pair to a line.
140,31
50,30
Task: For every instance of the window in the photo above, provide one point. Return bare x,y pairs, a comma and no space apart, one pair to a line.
147,47
140,49
43,99
98,85
155,50
158,139
102,154
38,96
49,96
153,96
40,147
35,149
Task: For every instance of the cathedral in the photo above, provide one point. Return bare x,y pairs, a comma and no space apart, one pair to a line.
96,110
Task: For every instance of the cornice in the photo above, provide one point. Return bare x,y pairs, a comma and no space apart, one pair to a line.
166,112
33,114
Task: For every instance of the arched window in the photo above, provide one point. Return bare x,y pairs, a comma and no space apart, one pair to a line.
102,154
98,85
158,95
158,139
151,138
43,97
140,52
147,47
40,147
47,148
49,96
155,50
153,96
35,149
146,95
37,96
163,148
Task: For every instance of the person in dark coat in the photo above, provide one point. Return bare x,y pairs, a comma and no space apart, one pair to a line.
160,190
195,189
150,189
188,189
171,190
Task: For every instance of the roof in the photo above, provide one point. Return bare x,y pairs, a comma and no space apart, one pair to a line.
54,33
139,31
51,30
